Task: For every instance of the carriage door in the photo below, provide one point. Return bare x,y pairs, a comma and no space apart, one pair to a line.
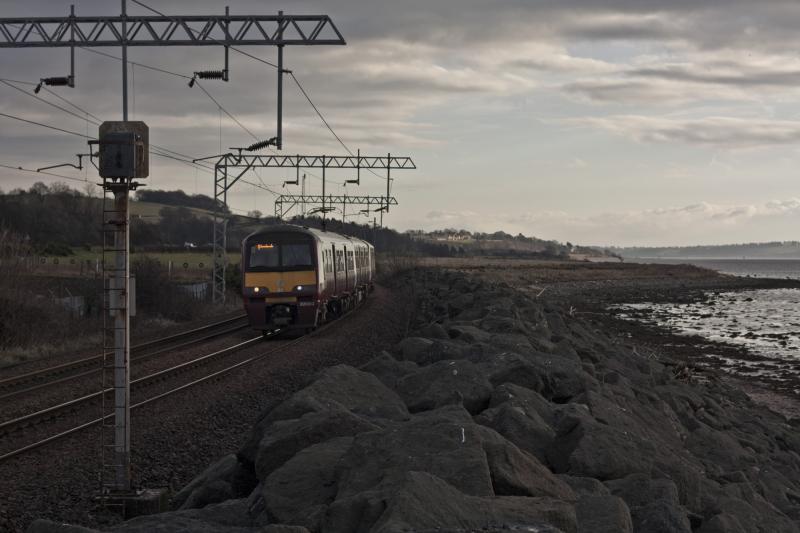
333,266
346,269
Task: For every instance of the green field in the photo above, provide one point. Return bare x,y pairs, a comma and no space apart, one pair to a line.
194,259
151,212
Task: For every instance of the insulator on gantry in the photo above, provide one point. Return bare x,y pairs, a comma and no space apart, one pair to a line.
262,144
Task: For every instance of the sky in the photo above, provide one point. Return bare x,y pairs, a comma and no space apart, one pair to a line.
599,122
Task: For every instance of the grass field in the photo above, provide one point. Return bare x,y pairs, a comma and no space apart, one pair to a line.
194,259
150,211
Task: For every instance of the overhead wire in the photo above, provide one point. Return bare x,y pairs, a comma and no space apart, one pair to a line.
203,89
209,95
28,94
153,149
96,120
21,169
149,67
155,152
251,56
62,130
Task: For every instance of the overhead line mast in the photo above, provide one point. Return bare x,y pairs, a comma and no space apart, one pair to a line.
230,168
123,145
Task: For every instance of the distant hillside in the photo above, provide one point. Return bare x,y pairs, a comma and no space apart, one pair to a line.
58,219
178,199
764,250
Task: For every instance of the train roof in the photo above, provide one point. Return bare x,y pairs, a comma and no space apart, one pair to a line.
322,236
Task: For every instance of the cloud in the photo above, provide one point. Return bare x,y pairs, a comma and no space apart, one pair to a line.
695,76
432,78
577,163
656,226
723,132
449,216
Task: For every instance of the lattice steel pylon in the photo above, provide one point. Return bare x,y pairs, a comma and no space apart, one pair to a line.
286,202
177,30
244,163
144,31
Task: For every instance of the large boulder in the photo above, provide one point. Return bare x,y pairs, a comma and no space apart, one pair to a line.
342,393
433,331
723,523
284,438
603,514
460,303
556,378
524,427
528,400
719,451
224,480
446,443
422,502
445,383
585,486
516,473
639,490
227,517
424,351
414,349
654,504
585,447
299,491
48,526
388,369
468,333
359,392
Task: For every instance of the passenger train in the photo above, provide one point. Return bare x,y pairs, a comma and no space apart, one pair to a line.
297,278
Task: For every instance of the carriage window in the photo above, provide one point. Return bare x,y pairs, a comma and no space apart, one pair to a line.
264,255
296,255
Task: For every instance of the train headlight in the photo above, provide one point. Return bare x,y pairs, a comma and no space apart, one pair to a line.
299,288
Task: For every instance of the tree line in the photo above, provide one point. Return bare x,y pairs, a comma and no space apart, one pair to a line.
54,219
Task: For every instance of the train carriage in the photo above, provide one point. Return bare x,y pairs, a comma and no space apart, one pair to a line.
297,278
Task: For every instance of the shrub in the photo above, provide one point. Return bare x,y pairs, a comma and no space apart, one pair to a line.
157,295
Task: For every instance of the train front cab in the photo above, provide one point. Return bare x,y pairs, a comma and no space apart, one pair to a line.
280,285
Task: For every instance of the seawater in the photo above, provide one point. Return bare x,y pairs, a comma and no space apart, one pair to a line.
760,268
766,322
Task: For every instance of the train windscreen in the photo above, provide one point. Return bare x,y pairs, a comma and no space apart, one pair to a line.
279,256
296,255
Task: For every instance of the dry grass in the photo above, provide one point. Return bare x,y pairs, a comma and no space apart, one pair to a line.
15,355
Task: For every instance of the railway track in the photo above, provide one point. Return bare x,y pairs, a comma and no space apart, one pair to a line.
30,382
12,428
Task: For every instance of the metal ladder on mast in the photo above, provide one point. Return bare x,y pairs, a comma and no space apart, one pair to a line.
115,276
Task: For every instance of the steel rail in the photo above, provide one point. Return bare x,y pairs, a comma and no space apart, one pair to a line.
142,357
170,392
96,421
7,426
65,367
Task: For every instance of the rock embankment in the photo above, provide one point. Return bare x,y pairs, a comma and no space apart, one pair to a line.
501,413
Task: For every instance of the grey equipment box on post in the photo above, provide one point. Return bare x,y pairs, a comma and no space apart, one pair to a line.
124,150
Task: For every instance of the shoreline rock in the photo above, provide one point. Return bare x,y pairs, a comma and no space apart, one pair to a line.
499,413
